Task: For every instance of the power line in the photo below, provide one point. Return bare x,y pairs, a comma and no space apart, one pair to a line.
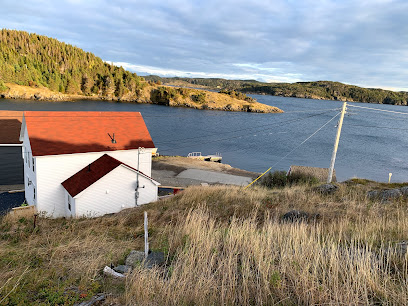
377,109
217,140
237,130
377,127
293,150
234,137
144,116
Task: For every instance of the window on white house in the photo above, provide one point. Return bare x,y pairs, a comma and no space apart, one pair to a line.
69,203
34,193
33,164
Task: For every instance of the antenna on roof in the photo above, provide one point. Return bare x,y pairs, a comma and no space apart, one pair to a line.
112,137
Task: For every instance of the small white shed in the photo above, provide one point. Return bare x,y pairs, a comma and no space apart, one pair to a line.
107,186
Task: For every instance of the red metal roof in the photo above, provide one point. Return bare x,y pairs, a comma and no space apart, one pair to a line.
53,133
10,126
92,173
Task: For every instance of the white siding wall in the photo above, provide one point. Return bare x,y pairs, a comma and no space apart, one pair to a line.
129,157
29,174
114,192
68,198
54,169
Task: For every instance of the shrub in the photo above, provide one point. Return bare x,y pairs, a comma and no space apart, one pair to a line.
280,179
199,98
274,179
237,95
184,92
163,95
302,179
3,87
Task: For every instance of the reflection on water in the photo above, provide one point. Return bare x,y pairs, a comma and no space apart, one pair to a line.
256,141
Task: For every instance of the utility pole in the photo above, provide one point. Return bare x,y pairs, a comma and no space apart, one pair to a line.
336,143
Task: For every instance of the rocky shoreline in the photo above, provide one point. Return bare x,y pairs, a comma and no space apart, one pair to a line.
215,101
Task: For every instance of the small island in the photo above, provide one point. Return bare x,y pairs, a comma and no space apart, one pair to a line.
319,90
41,68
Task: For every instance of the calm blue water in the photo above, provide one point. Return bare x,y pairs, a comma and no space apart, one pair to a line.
256,141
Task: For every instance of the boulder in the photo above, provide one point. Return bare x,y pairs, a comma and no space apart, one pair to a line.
134,258
95,300
123,269
295,216
384,195
372,194
402,248
155,259
404,191
326,189
390,194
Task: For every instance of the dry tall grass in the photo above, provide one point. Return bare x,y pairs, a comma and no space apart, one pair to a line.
243,264
225,246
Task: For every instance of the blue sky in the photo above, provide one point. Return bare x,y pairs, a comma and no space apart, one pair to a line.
361,42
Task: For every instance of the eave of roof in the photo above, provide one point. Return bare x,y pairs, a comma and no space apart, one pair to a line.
93,172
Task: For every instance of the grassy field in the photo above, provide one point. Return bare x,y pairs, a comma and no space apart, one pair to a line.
224,245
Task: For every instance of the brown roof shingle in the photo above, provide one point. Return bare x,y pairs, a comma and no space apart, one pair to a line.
53,133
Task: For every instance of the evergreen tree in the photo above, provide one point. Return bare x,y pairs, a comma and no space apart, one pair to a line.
31,59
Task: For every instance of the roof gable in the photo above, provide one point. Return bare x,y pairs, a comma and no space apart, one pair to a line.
54,133
93,172
10,125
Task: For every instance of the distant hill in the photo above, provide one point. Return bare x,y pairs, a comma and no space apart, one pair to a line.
38,67
313,90
36,60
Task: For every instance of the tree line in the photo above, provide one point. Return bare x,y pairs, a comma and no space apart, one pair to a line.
313,90
33,60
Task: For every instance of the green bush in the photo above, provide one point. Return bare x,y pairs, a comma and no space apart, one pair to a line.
274,179
3,87
199,98
280,179
237,95
302,179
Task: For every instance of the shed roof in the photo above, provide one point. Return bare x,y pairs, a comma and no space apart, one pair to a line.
93,172
54,133
320,173
10,125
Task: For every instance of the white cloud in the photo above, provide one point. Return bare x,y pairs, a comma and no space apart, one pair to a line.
144,70
358,42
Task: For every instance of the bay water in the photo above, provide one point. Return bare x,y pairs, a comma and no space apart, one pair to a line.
372,144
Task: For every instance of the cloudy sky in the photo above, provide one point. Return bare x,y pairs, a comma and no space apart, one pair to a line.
362,42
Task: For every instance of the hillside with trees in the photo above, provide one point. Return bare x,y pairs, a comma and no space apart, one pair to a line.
326,90
38,67
36,60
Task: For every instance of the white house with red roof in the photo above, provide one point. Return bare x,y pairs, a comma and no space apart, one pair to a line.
86,163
